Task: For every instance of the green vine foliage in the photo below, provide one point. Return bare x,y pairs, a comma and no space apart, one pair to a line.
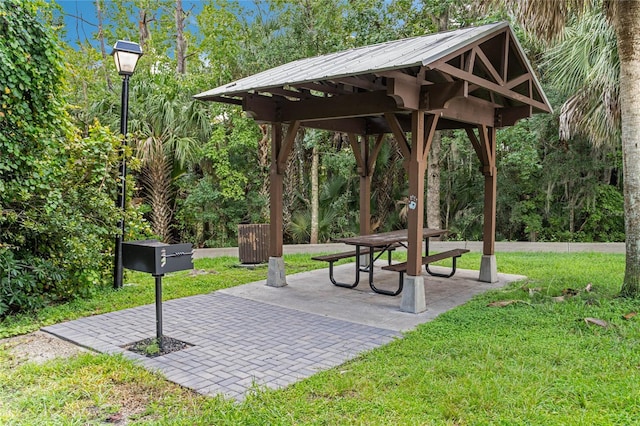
31,116
57,189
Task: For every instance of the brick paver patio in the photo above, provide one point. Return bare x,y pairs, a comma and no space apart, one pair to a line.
254,335
237,342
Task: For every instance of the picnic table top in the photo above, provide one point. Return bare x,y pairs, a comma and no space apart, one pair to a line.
385,238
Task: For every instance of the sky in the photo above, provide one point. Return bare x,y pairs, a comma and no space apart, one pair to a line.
76,28
80,19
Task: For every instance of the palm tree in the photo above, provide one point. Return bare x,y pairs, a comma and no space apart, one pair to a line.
547,19
168,128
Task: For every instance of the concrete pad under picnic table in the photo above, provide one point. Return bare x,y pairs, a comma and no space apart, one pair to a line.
312,292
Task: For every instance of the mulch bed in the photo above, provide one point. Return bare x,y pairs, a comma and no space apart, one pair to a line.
154,347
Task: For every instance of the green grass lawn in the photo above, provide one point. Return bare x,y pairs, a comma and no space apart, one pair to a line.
535,361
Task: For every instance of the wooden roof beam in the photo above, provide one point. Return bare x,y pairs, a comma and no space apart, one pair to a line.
510,116
467,110
326,88
375,125
436,96
471,78
287,146
431,125
261,108
360,83
517,81
398,133
404,77
505,56
346,106
223,99
359,126
405,92
487,65
287,93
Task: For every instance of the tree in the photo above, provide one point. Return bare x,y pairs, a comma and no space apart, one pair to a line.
168,126
547,19
181,43
100,36
57,189
223,188
583,67
144,21
224,39
626,21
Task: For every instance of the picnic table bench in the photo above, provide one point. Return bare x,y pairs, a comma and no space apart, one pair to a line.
331,258
379,243
426,260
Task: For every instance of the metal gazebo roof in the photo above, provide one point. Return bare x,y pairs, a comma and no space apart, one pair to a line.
484,63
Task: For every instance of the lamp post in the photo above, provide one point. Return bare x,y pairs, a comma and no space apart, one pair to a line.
125,55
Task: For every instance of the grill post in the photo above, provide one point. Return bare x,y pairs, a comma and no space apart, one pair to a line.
159,308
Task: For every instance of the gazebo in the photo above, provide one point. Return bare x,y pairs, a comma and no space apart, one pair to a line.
477,79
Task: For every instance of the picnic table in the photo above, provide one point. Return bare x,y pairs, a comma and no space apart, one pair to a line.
375,245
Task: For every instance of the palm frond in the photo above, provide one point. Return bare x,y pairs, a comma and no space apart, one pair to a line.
333,188
299,226
544,18
585,66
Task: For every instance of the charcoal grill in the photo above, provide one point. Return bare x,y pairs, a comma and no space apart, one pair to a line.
157,258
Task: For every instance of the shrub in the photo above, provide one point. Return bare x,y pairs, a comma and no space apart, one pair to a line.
57,190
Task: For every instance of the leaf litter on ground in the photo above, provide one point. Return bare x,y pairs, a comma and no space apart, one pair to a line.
503,303
597,321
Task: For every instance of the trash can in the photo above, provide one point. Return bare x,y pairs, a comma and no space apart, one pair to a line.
253,243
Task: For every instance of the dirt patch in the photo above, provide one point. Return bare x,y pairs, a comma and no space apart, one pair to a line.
38,347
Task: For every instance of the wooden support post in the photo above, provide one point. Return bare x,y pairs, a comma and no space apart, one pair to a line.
487,150
276,276
417,167
489,229
365,189
365,160
490,191
275,194
413,297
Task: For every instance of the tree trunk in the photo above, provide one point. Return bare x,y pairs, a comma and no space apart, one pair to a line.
143,28
433,184
264,159
315,191
433,165
572,216
103,51
181,44
626,18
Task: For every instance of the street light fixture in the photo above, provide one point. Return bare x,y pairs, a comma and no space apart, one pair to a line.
125,55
